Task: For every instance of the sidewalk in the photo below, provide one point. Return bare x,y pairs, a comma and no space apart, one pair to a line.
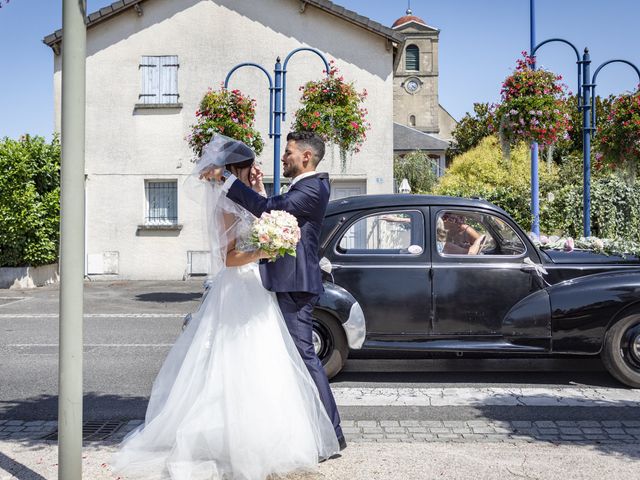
382,461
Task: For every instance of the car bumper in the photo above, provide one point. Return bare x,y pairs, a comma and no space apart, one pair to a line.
355,327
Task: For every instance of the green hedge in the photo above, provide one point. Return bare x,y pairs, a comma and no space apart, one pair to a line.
29,201
483,172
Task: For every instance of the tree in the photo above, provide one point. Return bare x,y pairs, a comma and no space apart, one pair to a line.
29,201
418,169
471,129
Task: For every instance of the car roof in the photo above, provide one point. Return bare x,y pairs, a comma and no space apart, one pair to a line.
362,202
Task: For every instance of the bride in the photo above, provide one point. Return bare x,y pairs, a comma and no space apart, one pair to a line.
233,399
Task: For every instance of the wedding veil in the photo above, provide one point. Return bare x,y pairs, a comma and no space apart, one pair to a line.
222,216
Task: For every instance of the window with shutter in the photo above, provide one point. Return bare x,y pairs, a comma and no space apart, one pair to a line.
159,79
412,61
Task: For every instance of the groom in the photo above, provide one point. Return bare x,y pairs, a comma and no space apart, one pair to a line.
297,281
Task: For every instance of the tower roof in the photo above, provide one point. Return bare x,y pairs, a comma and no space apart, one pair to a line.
409,17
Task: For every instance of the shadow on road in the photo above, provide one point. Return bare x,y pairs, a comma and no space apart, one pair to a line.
612,437
444,378
95,407
168,297
17,469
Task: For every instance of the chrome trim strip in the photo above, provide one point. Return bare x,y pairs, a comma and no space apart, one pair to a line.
338,266
355,327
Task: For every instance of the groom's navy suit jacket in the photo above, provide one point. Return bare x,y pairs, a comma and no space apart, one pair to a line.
307,201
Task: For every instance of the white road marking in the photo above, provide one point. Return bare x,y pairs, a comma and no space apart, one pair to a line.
94,315
482,396
13,300
106,345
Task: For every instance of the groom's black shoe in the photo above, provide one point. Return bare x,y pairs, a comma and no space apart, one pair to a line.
342,442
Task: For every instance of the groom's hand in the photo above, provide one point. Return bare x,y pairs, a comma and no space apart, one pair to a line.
212,173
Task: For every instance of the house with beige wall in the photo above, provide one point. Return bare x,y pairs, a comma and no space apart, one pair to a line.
149,62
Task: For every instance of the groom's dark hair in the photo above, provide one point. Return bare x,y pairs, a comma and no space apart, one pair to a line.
309,140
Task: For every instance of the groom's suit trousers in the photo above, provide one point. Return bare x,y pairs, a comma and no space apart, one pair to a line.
297,308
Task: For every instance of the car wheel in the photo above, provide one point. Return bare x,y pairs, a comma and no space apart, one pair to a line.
329,342
621,351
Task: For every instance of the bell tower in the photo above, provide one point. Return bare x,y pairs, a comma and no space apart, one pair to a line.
415,83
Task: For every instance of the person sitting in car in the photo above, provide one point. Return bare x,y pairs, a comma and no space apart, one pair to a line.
457,238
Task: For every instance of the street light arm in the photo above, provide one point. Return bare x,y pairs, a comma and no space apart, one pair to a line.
593,85
284,72
226,85
578,61
617,60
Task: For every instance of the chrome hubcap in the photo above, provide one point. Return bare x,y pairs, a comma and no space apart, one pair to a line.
317,342
635,346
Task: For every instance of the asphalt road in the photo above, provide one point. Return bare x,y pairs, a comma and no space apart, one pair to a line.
130,326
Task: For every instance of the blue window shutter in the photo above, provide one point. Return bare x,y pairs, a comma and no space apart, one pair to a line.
169,79
150,67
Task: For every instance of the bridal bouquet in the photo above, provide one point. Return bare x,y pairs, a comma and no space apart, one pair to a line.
277,233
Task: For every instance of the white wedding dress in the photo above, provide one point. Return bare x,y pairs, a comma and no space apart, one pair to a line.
233,399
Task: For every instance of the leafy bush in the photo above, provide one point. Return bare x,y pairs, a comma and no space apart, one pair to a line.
471,129
29,201
483,172
615,209
418,169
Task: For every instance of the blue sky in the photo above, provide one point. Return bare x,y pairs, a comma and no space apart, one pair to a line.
479,42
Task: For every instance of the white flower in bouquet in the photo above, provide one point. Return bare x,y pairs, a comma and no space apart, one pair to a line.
277,233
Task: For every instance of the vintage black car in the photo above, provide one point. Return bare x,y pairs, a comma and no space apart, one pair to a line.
445,274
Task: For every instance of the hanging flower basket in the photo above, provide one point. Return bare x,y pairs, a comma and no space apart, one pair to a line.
618,136
228,112
333,109
533,108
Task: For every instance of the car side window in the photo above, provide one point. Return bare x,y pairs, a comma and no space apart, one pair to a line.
474,233
391,232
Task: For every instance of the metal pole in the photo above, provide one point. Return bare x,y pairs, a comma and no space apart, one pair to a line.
586,144
277,120
535,187
71,240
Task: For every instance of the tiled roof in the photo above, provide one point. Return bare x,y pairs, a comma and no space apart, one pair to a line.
359,20
409,139
407,19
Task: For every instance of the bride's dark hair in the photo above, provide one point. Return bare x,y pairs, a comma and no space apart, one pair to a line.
244,164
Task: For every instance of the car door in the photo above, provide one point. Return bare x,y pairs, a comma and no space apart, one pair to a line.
478,275
381,258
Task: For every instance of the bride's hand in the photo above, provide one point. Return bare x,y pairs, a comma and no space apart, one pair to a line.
211,173
256,179
264,255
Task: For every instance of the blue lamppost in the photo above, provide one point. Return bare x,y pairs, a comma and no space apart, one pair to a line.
587,103
277,102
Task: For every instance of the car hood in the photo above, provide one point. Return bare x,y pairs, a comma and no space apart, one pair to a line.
589,257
